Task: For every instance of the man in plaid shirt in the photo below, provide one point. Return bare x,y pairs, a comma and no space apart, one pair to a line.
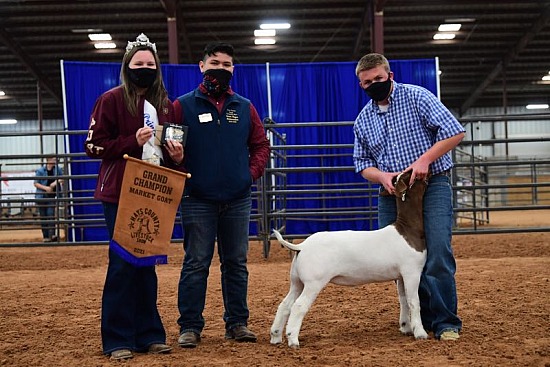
405,127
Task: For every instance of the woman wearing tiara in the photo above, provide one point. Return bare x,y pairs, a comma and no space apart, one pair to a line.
123,121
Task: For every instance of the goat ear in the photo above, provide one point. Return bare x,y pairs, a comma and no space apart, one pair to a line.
401,184
400,187
406,177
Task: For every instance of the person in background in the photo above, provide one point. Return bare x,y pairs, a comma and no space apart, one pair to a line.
123,122
226,151
48,185
405,127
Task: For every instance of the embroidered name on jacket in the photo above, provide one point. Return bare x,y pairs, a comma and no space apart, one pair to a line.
232,116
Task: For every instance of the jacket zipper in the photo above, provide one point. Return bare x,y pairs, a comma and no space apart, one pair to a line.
107,174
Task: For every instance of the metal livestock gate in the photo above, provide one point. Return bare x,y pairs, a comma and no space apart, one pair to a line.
486,179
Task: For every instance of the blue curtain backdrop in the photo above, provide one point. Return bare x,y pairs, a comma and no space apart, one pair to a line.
314,92
325,92
84,82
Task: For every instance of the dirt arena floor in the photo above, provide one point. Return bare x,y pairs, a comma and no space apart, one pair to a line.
50,307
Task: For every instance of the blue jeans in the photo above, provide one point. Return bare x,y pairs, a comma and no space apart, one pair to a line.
204,221
437,290
46,210
129,314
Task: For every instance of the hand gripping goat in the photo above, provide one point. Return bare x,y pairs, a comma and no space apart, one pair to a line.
396,252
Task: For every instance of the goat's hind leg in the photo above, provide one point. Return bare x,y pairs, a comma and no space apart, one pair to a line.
299,310
283,311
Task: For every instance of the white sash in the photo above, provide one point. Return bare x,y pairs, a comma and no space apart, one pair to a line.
151,152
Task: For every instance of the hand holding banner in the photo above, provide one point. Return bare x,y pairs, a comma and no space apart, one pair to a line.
149,200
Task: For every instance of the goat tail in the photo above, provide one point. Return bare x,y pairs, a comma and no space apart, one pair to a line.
285,243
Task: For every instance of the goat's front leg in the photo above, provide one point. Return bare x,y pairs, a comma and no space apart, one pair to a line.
410,285
404,312
283,311
298,312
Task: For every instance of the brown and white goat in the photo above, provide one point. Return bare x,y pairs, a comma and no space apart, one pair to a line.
396,252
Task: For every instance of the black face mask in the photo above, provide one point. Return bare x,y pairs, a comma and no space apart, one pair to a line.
216,81
379,91
142,77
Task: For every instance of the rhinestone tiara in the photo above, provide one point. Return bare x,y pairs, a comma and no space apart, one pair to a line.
141,40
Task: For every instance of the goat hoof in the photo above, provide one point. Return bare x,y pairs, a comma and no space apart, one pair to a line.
276,337
421,335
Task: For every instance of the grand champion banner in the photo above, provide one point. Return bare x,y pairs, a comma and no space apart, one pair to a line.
147,208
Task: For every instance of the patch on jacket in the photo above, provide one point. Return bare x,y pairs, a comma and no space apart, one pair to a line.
232,116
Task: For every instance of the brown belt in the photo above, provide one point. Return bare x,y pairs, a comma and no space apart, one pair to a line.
444,173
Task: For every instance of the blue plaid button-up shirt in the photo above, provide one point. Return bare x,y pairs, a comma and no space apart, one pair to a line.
393,140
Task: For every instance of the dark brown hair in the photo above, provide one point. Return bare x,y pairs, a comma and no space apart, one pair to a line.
156,94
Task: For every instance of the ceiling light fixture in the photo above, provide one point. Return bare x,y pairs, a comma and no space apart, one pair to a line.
265,33
87,30
275,25
8,122
444,36
104,45
100,37
540,106
449,27
264,41
460,20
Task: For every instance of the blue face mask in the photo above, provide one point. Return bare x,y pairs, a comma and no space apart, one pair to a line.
379,91
216,81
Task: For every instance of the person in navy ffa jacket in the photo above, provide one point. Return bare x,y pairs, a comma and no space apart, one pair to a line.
226,151
123,122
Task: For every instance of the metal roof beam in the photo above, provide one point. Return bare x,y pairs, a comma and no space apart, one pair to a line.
377,27
539,24
30,65
171,22
365,21
183,30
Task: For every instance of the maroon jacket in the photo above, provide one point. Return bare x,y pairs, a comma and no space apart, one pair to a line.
112,133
